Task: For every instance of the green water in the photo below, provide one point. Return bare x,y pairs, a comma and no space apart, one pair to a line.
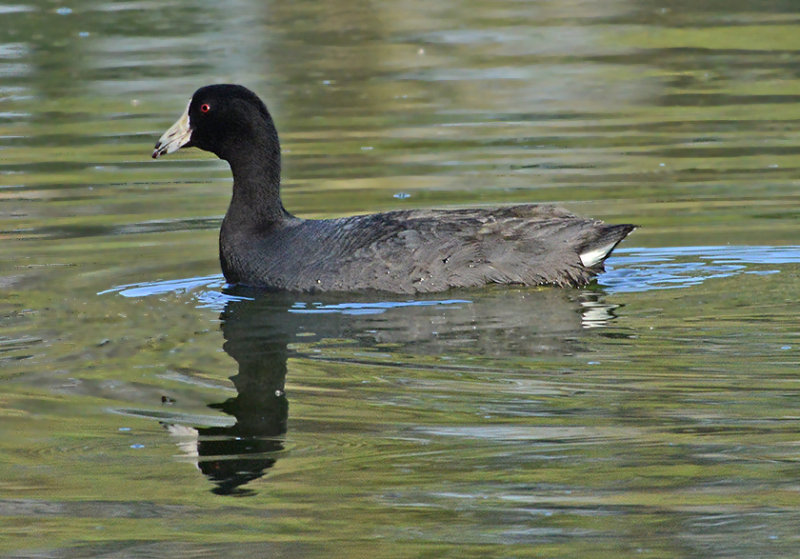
147,410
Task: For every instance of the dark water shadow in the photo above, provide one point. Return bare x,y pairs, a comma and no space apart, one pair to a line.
262,331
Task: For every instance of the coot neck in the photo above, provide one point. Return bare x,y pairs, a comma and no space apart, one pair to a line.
256,168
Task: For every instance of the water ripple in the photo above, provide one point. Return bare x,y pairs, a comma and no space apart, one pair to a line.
209,293
648,269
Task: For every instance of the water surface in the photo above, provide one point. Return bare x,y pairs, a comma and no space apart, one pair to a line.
148,410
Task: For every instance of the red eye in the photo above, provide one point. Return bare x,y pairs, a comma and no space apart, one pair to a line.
205,107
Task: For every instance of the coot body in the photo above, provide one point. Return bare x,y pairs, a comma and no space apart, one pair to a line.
263,245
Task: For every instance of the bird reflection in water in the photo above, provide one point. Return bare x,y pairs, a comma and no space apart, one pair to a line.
232,456
259,328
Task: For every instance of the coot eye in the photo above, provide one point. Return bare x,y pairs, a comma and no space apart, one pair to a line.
205,107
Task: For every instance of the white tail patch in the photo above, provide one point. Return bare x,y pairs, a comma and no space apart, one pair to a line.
595,256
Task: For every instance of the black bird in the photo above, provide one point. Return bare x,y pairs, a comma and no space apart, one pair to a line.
411,251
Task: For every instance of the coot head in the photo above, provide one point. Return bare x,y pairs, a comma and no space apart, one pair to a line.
224,119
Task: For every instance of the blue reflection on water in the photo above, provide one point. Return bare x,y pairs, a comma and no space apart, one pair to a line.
647,269
185,285
376,307
207,290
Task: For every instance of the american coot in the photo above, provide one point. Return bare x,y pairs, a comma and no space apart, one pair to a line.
263,245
